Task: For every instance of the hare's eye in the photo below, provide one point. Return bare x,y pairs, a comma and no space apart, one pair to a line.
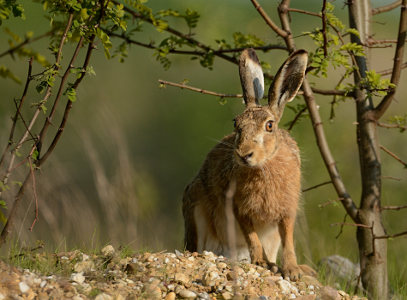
269,126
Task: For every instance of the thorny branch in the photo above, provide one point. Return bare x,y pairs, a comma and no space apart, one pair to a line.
295,120
403,128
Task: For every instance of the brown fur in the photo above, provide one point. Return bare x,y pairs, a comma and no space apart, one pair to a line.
266,169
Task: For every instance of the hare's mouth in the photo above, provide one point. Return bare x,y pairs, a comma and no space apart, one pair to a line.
247,160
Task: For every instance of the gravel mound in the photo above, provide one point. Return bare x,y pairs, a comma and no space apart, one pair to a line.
110,276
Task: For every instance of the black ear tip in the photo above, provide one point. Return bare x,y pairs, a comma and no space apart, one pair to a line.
300,52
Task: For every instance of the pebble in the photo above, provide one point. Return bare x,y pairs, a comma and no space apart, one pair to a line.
227,295
103,296
170,296
24,288
187,294
78,277
285,286
181,277
108,251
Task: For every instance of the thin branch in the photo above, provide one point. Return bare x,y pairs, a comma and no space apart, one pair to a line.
390,236
393,207
48,119
393,155
324,204
305,12
267,19
397,66
295,120
386,8
25,42
34,193
316,186
351,224
325,39
18,110
392,178
202,91
341,228
390,71
403,128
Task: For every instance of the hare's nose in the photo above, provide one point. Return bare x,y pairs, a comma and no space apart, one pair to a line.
245,158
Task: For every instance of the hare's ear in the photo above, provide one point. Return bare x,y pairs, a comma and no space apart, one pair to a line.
251,77
287,81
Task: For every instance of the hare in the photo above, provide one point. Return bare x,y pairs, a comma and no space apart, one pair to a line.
263,161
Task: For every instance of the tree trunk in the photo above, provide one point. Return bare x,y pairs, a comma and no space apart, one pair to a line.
372,252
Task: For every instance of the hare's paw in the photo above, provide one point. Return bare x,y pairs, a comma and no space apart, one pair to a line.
294,272
274,268
259,262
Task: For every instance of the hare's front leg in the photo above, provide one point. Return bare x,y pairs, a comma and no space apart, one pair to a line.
289,264
252,239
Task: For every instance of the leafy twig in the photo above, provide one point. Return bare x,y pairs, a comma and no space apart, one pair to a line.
393,207
23,43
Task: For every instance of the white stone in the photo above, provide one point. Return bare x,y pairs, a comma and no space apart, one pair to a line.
285,286
43,283
311,287
85,257
78,277
292,296
2,297
24,288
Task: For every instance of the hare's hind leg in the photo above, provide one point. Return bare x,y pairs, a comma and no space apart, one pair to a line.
190,237
198,233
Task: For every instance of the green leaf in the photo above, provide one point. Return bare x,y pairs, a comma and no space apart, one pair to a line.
71,94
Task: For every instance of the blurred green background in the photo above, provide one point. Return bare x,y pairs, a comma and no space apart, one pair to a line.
131,147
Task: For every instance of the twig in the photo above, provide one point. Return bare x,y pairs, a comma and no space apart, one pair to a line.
392,178
34,192
351,224
322,205
294,121
392,207
175,32
25,42
267,19
397,65
390,236
202,91
316,186
325,39
393,155
390,71
386,8
332,92
199,53
48,119
391,126
305,12
18,111
342,225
